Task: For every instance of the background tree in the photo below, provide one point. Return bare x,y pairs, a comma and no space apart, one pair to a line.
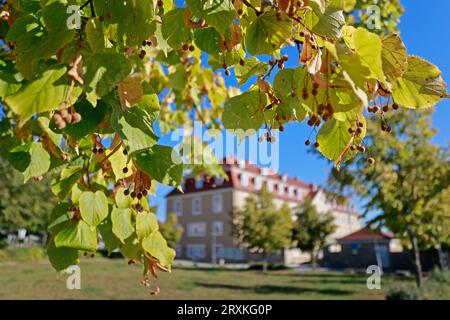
261,226
170,230
311,229
408,184
23,206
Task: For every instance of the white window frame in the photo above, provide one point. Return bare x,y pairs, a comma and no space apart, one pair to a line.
270,185
190,227
213,228
217,203
178,207
194,208
281,189
258,183
245,179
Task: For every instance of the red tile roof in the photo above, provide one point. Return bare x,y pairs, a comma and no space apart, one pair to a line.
366,234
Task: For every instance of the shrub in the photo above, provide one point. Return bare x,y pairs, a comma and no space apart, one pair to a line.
435,287
22,254
271,266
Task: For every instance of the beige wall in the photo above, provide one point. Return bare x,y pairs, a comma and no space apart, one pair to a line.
206,216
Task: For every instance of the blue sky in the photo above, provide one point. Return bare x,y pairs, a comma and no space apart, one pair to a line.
425,29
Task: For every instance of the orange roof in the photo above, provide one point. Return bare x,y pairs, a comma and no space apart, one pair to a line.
366,234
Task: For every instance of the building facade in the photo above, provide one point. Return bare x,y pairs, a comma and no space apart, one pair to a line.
205,206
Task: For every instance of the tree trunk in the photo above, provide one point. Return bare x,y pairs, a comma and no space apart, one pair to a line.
313,259
417,263
265,263
442,258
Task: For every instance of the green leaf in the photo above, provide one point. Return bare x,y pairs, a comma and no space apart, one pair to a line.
91,119
133,18
98,42
123,201
146,223
134,126
245,112
108,237
132,249
266,34
217,13
328,23
157,247
61,258
69,176
333,137
103,71
35,41
420,86
77,235
394,57
162,163
174,29
45,93
30,159
251,67
368,47
207,40
121,223
93,207
118,162
59,218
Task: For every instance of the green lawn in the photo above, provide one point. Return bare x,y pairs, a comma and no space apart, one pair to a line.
114,279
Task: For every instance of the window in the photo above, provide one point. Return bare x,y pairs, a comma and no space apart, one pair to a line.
281,190
219,251
196,251
291,192
199,184
217,228
258,183
218,181
244,180
178,207
197,229
178,250
270,186
196,206
217,203
335,248
355,248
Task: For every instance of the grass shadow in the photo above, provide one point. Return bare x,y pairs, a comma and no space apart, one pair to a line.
273,289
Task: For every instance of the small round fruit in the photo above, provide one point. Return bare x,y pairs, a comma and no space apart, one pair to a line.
242,62
371,161
316,144
125,170
57,118
227,73
307,143
76,117
191,48
126,192
185,47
